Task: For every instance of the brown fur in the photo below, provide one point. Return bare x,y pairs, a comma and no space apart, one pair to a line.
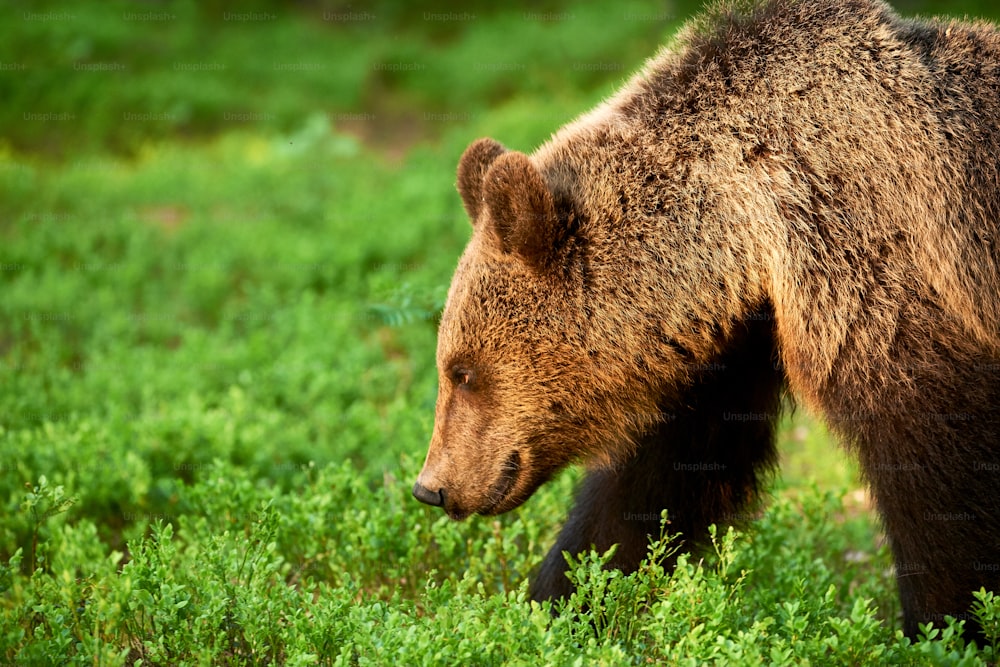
801,194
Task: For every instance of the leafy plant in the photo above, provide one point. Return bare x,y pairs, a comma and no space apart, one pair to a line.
43,502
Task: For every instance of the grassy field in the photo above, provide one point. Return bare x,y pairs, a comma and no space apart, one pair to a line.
225,237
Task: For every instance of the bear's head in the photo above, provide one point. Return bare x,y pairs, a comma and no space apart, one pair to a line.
519,393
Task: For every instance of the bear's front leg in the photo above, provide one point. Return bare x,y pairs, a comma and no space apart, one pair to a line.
704,464
613,506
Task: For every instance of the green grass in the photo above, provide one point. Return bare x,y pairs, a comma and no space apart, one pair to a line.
217,363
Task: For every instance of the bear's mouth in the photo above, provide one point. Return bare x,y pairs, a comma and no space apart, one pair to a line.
499,491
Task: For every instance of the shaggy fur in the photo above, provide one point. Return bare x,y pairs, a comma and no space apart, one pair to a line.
802,194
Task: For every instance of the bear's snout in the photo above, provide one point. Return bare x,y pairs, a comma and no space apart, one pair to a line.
425,495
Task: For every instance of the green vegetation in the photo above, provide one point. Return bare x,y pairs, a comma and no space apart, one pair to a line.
224,241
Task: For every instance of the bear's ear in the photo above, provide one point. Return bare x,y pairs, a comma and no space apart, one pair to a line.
472,168
521,208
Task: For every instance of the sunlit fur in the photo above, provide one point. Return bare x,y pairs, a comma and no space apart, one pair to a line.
803,194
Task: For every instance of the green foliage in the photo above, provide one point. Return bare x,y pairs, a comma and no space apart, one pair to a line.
116,74
42,503
986,609
217,363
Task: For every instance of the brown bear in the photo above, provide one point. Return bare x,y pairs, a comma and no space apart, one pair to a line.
800,196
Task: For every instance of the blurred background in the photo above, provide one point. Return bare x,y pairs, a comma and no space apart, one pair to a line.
226,230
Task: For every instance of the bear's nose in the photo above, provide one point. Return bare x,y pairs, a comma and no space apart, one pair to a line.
425,495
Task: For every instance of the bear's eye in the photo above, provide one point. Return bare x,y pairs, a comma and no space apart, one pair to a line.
462,376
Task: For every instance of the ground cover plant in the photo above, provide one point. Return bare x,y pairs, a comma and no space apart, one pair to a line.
220,269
